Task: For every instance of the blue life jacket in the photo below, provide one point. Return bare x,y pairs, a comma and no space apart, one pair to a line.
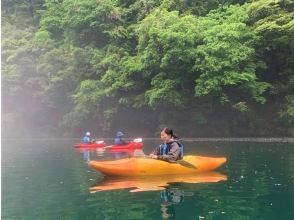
164,148
119,141
86,140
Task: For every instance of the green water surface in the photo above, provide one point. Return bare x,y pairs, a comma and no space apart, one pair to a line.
49,179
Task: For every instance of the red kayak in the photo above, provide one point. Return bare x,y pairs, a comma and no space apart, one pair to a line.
95,144
135,144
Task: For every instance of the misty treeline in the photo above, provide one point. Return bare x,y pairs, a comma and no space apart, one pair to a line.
205,68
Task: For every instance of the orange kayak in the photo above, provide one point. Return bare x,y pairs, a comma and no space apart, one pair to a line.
148,167
154,183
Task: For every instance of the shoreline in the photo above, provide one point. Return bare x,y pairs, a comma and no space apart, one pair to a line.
199,139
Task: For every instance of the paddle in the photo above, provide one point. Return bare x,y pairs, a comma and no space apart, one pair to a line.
140,153
106,147
186,164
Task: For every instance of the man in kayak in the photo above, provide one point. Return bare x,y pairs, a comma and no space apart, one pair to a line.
171,150
86,139
119,139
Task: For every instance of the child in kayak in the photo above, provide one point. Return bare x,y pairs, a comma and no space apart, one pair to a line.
171,150
119,139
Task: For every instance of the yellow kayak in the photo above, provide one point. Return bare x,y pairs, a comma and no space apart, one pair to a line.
148,167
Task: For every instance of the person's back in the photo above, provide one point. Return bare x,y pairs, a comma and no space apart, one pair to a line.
118,140
86,139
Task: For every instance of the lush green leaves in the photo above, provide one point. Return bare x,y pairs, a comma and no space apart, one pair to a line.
226,56
81,62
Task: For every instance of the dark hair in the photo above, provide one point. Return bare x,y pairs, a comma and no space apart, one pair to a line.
170,132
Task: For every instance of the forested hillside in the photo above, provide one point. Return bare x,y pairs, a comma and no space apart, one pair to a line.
205,68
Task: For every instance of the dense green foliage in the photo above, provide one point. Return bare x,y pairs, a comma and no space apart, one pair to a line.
204,68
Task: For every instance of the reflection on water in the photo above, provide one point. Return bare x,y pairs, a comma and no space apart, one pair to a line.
154,183
169,198
172,195
101,153
88,153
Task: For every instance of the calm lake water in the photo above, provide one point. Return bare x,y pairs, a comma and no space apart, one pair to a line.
51,180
